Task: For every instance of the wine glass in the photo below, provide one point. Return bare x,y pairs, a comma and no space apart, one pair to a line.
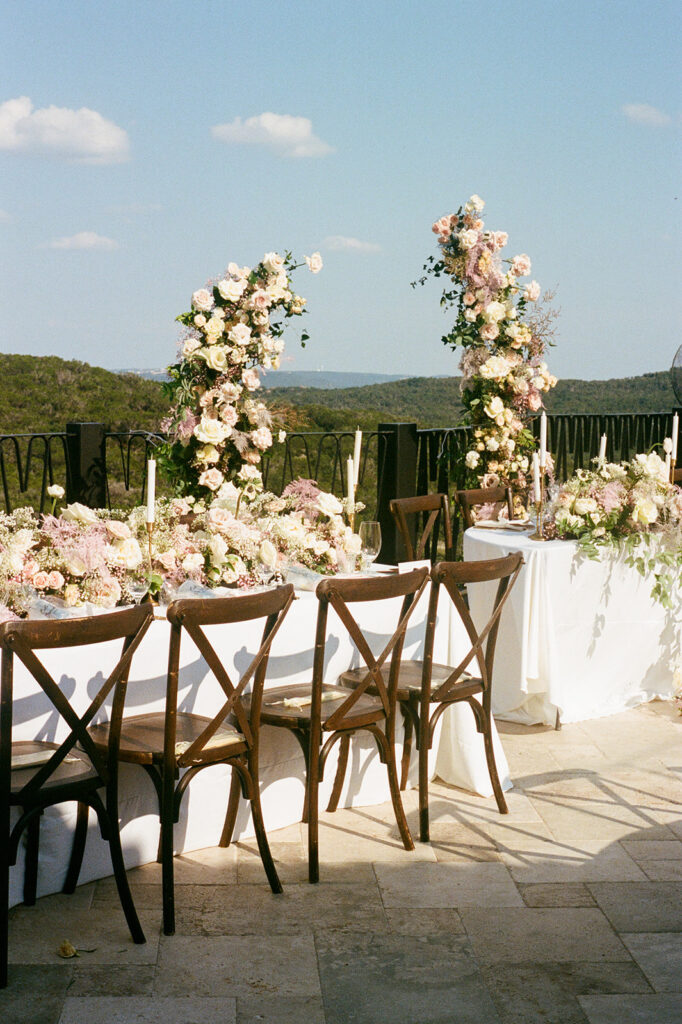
370,541
138,585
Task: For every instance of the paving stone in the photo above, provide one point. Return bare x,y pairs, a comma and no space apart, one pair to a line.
512,935
577,860
556,894
290,860
102,938
393,979
642,852
635,1009
111,980
237,966
34,995
252,910
663,870
424,922
546,993
447,885
256,1010
140,1010
659,954
641,906
454,842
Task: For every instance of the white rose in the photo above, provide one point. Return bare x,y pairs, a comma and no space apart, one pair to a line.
495,408
55,491
210,431
467,238
494,312
190,346
472,459
200,320
214,328
328,504
207,453
217,549
492,444
203,300
273,262
127,553
261,438
211,478
475,204
77,513
231,290
645,512
240,334
583,506
216,357
314,263
193,562
268,554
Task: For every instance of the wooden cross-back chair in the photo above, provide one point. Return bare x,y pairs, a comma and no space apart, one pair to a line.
168,743
426,689
429,510
39,774
470,498
320,714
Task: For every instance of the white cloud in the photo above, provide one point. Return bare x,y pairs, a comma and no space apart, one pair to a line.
287,135
643,113
82,135
82,240
340,242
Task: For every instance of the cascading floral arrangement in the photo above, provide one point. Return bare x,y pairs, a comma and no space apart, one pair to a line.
628,506
217,428
503,370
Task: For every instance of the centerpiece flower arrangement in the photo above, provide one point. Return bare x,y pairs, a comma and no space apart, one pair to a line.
217,428
504,373
88,558
628,506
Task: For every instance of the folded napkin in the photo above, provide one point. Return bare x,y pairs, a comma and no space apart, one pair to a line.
301,702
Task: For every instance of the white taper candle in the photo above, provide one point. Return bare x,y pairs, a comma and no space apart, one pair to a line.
350,480
543,440
356,456
151,489
536,478
602,448
676,430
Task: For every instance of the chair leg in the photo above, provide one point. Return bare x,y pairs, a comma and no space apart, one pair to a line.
312,798
167,867
120,876
398,808
424,729
231,813
31,867
407,751
492,767
344,747
262,839
78,848
4,905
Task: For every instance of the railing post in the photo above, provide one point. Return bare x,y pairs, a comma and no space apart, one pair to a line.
398,459
86,482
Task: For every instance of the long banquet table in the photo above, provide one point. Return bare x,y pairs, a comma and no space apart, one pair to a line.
579,637
458,755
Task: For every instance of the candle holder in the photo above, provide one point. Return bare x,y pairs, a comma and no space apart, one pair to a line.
673,463
539,512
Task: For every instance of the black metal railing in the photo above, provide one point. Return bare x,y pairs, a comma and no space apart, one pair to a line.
105,468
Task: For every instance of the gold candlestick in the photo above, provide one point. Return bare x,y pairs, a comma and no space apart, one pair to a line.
539,512
673,463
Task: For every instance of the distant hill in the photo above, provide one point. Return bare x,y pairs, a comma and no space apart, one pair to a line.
40,393
435,401
297,378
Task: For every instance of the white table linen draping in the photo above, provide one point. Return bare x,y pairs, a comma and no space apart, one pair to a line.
281,760
581,637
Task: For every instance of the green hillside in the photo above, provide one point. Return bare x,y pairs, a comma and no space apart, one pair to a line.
40,393
434,401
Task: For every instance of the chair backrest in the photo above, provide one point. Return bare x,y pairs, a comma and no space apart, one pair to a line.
191,615
22,638
453,576
339,594
430,510
470,498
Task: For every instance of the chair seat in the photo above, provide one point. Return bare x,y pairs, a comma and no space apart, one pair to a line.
410,680
275,711
29,755
142,738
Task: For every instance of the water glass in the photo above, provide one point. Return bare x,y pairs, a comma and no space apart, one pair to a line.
370,540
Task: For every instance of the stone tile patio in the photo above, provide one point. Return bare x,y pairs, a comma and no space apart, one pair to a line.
567,910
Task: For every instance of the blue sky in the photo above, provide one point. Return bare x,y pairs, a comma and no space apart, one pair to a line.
564,117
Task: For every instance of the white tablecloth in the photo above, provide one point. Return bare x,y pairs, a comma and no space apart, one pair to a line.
458,754
579,636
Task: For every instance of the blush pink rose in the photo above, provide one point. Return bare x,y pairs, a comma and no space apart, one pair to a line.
55,580
521,265
41,580
211,478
